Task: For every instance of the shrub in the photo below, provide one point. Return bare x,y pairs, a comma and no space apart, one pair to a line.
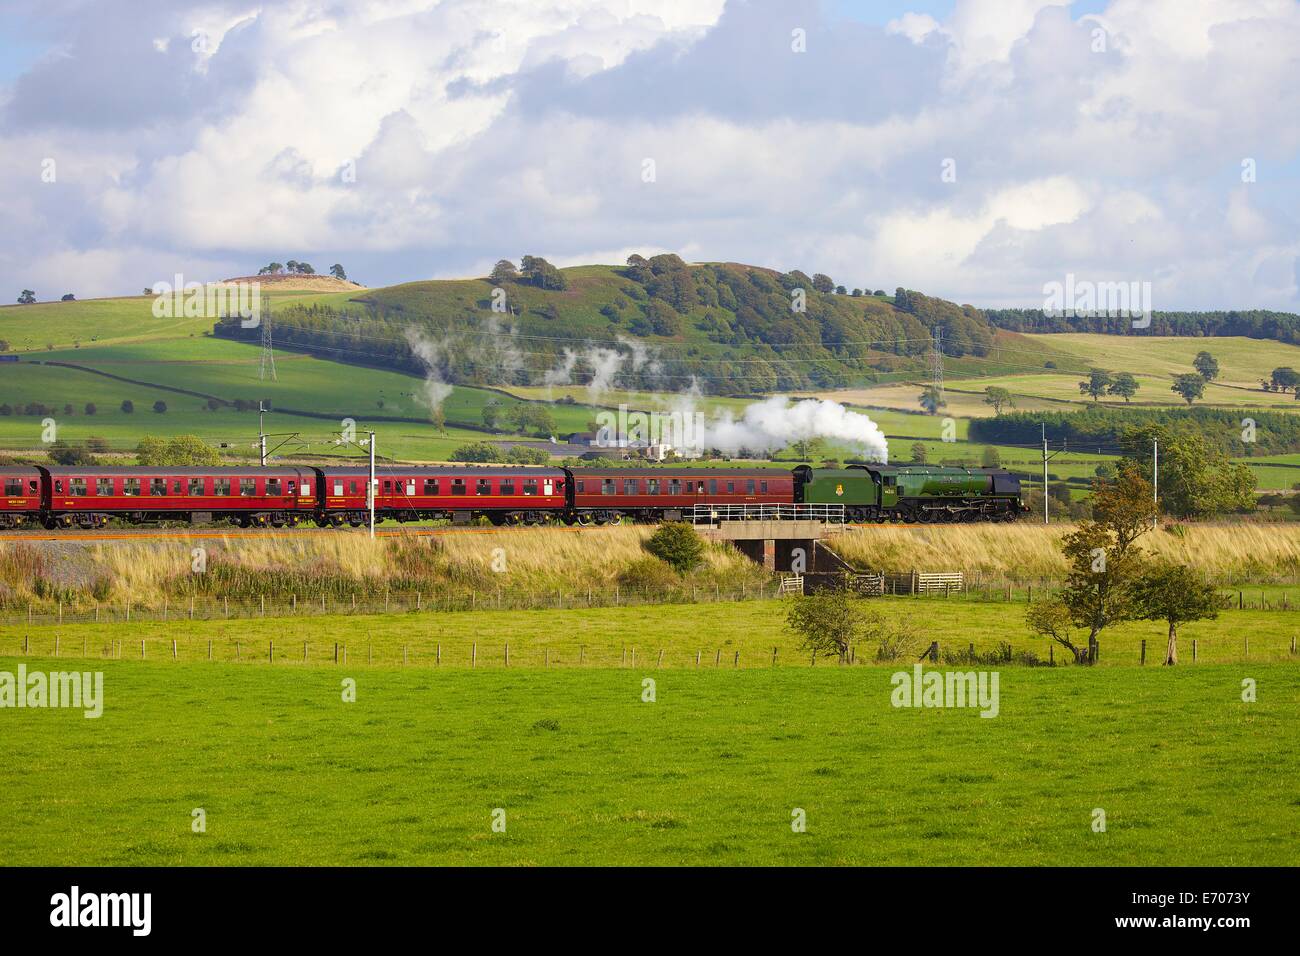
677,544
647,574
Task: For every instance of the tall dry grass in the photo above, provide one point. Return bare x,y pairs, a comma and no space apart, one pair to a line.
1252,552
148,573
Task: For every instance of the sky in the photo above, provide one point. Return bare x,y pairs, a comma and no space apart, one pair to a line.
972,149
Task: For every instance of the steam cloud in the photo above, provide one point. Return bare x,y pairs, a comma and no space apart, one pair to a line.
776,423
428,351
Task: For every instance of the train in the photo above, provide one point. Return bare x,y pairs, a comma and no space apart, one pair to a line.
286,496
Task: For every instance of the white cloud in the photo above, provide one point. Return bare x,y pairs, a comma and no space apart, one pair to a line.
489,128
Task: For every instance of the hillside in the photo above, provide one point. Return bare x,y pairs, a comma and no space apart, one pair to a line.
658,324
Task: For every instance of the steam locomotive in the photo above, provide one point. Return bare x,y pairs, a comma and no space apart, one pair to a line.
278,497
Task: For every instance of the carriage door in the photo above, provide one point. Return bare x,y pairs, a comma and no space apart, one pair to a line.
410,487
548,487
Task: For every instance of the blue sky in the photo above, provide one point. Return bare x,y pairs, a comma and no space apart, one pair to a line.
974,149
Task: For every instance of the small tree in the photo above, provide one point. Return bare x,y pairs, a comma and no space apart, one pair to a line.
503,271
1176,594
1124,385
991,458
90,408
1189,386
27,297
1103,555
1052,618
932,399
999,398
337,272
678,544
1206,365
160,406
919,452
128,406
68,297
830,621
1099,380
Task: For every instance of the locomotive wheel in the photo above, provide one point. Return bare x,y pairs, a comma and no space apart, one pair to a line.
582,520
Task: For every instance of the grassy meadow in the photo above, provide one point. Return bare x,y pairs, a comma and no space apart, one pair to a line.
583,770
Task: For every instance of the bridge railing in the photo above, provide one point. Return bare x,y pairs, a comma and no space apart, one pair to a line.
713,513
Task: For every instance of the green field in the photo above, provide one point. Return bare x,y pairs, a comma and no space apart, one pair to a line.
710,773
587,772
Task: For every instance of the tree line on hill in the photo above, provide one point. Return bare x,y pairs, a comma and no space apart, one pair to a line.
1250,323
1234,433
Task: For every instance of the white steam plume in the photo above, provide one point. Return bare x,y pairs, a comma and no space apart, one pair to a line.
427,351
775,423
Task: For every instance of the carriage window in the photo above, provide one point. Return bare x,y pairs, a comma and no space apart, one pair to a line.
580,487
221,486
58,486
731,487
530,486
749,486
652,486
700,489
629,486
77,486
431,486
607,486
157,487
458,486
352,487
247,486
388,486
713,486
273,486
104,486
196,487
484,487
762,487
13,486
507,486
675,486
292,486
178,487
131,486
33,487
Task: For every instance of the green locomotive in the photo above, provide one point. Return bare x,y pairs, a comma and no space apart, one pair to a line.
913,493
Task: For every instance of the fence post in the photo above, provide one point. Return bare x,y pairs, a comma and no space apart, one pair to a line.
717,661
774,657
1193,650
1143,659
546,657
336,652
370,657
270,651
173,648
142,648
1248,645
473,653
209,648
661,658
403,653
437,660
56,645
736,661
697,659
582,653
304,652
